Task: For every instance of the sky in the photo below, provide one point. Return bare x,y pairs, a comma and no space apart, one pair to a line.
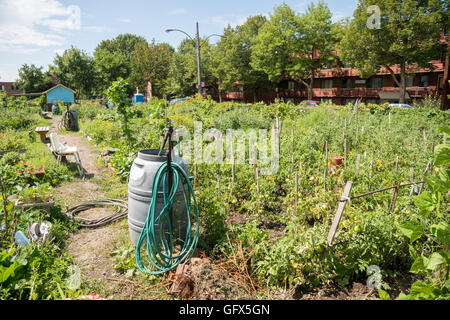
34,31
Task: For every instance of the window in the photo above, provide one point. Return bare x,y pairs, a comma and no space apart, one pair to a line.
409,82
291,85
346,101
441,81
423,82
2,87
348,83
374,83
326,84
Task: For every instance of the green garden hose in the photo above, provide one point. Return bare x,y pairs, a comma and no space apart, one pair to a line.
161,251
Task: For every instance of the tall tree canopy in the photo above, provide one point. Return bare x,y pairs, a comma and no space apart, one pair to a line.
182,79
113,57
33,80
232,56
151,63
408,37
299,45
75,69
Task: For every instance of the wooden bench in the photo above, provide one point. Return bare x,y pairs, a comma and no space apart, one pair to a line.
43,132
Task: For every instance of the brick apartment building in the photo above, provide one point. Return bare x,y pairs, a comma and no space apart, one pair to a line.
10,88
343,85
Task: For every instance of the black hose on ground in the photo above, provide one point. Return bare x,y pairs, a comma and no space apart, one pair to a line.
121,212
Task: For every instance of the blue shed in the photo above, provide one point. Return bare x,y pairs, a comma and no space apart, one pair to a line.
60,93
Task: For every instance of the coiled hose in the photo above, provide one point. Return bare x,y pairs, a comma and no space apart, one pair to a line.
121,212
161,251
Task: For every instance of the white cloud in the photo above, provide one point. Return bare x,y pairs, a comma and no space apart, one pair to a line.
125,20
98,29
224,21
59,51
177,12
32,24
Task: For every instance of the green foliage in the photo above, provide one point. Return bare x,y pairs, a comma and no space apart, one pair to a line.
33,80
151,62
232,57
289,44
117,94
113,58
75,69
408,35
38,274
435,263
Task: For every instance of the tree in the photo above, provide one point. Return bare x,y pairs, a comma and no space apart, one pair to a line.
113,57
408,38
182,78
75,69
232,56
295,45
151,63
33,80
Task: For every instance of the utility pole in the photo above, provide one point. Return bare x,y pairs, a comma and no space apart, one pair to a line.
199,78
198,47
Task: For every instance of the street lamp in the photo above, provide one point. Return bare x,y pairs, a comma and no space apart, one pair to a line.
198,46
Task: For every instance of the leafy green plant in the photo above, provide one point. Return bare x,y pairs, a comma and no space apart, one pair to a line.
435,228
118,94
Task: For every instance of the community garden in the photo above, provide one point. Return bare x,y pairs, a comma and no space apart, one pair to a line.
376,215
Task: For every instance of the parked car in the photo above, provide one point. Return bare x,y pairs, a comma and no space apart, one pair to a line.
310,103
400,105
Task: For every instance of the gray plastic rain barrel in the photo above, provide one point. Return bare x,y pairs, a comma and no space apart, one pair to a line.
140,184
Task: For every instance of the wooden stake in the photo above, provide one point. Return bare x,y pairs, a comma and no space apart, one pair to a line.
339,212
358,161
233,164
396,163
296,189
195,174
325,173
394,197
424,176
256,175
345,153
292,152
389,121
218,181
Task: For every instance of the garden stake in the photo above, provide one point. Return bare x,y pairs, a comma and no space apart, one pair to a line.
424,176
296,190
345,152
394,198
358,161
233,164
218,181
340,211
292,152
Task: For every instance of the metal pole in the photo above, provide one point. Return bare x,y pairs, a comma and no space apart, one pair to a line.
198,63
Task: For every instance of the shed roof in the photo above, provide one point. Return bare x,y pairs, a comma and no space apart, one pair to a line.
59,85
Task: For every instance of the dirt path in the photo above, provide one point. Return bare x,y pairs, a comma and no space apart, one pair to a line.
91,248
